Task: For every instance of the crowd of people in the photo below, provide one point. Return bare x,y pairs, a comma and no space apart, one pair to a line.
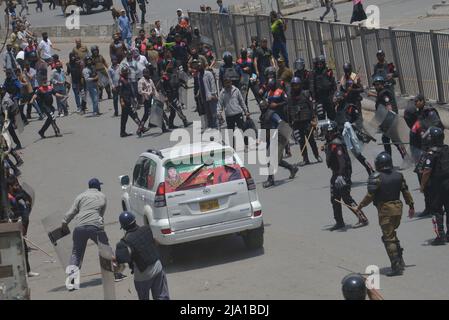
151,72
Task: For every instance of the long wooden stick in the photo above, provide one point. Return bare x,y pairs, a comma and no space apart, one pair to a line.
307,140
359,214
35,245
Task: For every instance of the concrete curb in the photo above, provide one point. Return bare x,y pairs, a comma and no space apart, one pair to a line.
439,10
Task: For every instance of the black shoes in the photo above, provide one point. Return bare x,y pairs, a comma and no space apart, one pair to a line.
438,241
124,135
41,134
293,172
337,226
269,182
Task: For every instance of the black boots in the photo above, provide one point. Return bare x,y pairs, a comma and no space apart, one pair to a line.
269,182
337,226
438,241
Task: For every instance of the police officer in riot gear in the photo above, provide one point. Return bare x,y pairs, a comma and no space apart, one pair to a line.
323,86
137,248
302,73
384,188
435,179
337,159
386,97
351,86
386,70
303,118
230,70
353,287
272,117
127,101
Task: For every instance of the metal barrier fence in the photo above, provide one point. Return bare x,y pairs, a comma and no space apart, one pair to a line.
422,58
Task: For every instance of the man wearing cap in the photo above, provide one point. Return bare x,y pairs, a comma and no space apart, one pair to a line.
137,248
88,208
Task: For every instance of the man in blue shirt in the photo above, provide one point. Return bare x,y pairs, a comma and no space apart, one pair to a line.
125,28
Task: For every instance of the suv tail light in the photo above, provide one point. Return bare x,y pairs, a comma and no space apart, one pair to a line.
257,213
159,199
249,180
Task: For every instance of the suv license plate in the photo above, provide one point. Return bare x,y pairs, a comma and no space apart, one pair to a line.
209,205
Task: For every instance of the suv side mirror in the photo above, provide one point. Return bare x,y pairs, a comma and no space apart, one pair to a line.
124,181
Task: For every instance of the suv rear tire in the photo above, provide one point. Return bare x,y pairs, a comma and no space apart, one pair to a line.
254,238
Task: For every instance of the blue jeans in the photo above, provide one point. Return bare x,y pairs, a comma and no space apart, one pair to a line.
278,48
76,87
81,235
93,93
211,113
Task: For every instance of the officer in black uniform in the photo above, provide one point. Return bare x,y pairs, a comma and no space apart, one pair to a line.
435,178
303,118
302,73
386,70
386,97
127,100
337,159
384,189
230,70
323,86
351,86
423,117
137,249
170,88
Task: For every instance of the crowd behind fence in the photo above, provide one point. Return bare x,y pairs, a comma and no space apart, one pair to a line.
422,58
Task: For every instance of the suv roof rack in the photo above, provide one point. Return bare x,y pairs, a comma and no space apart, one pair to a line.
156,152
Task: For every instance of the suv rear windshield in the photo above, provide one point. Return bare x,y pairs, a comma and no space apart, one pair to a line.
193,172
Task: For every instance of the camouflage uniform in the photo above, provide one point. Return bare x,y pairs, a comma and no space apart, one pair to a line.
384,190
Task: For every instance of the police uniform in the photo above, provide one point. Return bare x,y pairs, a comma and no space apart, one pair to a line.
137,249
243,64
383,69
304,75
384,190
353,95
386,97
128,98
301,112
436,162
338,160
44,96
170,88
232,72
323,86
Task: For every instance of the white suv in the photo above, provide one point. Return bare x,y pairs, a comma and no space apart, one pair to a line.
193,192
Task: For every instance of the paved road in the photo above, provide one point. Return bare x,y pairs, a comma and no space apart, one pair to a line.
401,14
300,258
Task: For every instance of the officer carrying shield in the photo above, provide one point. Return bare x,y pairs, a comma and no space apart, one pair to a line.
435,179
337,159
384,188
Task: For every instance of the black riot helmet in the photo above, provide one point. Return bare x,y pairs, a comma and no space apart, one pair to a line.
353,287
270,72
331,131
227,58
383,162
315,62
295,84
299,64
434,137
347,68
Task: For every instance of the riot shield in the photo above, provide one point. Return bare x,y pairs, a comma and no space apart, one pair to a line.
391,125
106,254
244,85
157,113
183,79
284,133
59,238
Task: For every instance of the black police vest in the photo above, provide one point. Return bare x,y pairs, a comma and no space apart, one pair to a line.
143,251
381,99
300,106
389,188
441,169
304,76
323,83
332,157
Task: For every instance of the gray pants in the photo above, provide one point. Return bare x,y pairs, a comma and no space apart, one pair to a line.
157,285
81,235
330,5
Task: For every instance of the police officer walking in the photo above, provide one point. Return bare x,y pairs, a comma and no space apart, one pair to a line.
386,97
127,100
323,86
337,159
138,250
384,188
435,179
302,73
301,112
386,70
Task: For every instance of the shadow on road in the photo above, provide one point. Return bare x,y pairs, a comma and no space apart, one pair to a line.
210,252
90,283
